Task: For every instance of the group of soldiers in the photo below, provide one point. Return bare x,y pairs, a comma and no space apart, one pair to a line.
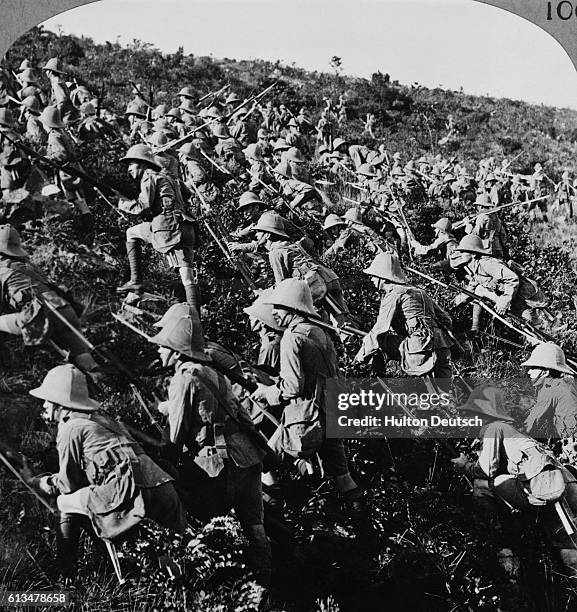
186,160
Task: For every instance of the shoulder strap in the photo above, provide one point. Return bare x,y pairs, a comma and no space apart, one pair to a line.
216,392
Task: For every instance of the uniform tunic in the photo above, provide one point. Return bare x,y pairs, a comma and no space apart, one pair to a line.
412,316
554,414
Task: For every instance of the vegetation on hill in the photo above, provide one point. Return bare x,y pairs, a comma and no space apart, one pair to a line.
427,550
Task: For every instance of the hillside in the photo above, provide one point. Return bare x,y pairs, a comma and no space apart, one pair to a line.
426,550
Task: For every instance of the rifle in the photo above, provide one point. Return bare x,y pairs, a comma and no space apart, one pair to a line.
236,263
21,478
410,236
93,182
215,94
530,332
249,99
461,223
108,357
510,162
285,201
139,92
215,164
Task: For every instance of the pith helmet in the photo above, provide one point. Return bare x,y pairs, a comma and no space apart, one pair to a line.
213,113
232,98
141,153
160,110
262,133
29,90
136,109
262,310
354,215
366,170
283,169
186,92
388,267
176,311
51,190
55,65
271,223
24,64
548,356
6,117
293,294
333,220
66,386
183,335
565,175
157,139
444,224
50,117
189,150
294,155
27,76
281,145
10,242
293,123
249,198
253,152
484,200
472,244
339,142
487,400
175,113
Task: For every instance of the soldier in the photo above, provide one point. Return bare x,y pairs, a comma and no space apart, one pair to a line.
443,245
554,414
60,95
176,122
263,142
300,194
62,150
537,188
270,332
30,299
373,243
80,95
297,164
14,166
195,171
105,483
338,232
34,133
205,417
257,168
566,192
290,260
307,361
252,207
411,327
168,231
491,278
228,149
92,127
243,128
508,463
489,227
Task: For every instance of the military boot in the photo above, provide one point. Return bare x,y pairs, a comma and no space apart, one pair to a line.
134,254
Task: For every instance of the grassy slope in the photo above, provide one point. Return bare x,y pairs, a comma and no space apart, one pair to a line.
428,552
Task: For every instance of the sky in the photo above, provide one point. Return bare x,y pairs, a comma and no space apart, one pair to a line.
437,43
